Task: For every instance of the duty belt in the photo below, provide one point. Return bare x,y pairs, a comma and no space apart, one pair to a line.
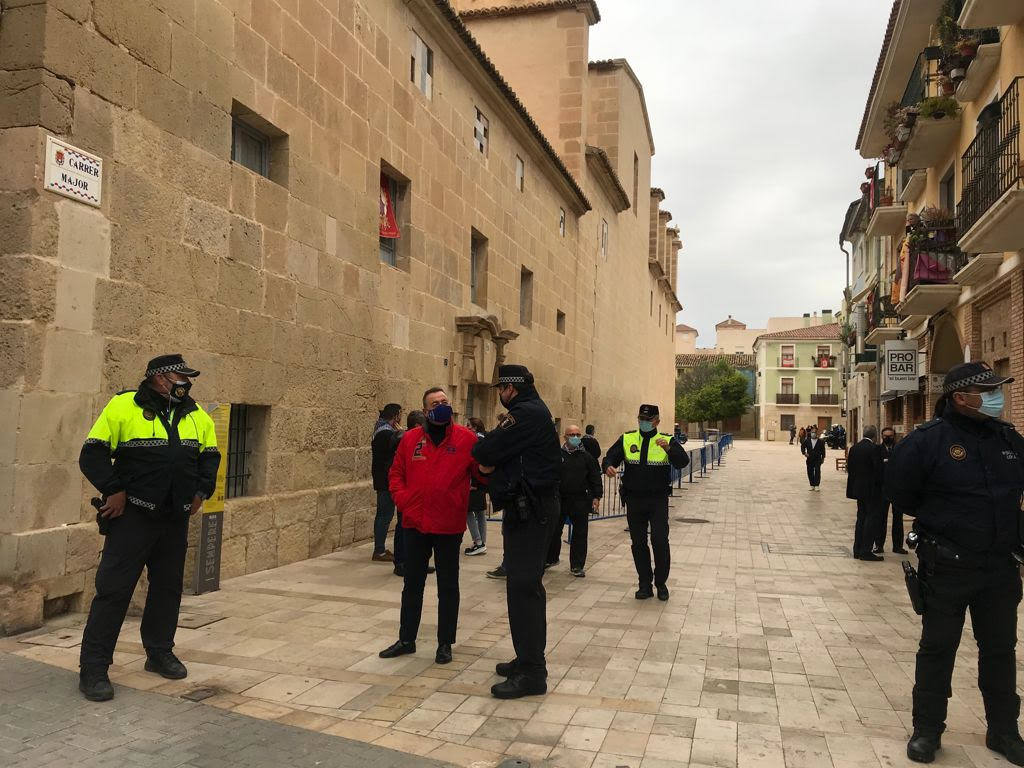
932,549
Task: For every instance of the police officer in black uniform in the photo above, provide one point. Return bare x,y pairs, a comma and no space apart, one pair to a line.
649,456
152,454
961,476
523,460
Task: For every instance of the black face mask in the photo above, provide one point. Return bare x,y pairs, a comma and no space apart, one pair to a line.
179,391
888,440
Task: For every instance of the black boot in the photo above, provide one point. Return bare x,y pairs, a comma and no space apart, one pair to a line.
518,686
663,593
165,664
398,649
506,668
922,747
644,593
1009,745
444,653
94,684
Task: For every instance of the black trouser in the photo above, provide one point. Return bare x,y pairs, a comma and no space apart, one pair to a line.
418,547
526,545
992,595
882,523
814,473
865,530
577,509
641,512
137,540
398,543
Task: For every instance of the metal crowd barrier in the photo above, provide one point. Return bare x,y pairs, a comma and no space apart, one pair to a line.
703,461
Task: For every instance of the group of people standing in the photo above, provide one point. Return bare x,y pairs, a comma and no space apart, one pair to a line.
438,474
866,466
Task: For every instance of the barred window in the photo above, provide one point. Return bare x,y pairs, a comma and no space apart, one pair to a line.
481,133
246,450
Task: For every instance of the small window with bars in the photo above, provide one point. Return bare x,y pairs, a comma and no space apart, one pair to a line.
421,66
561,221
481,133
520,173
240,449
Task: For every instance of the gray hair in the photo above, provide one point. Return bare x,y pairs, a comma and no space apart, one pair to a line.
871,432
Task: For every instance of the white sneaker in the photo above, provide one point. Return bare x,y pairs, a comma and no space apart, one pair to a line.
476,549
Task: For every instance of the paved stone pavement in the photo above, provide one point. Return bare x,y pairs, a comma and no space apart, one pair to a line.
776,648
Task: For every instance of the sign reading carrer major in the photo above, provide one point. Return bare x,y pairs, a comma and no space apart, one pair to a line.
73,172
899,366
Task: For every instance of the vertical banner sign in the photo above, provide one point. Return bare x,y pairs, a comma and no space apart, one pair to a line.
211,528
899,366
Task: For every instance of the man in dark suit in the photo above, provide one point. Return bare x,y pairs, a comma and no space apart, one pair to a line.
864,484
882,515
813,448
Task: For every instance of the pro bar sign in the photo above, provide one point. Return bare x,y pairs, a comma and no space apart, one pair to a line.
900,366
73,172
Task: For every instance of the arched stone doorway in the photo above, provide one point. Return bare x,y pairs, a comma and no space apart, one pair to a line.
481,349
944,352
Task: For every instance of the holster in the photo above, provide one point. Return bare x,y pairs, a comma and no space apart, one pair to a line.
916,587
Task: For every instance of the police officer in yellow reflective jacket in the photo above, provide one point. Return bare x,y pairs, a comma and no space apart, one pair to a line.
152,454
649,456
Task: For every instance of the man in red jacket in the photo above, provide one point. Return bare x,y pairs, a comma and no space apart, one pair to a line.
429,482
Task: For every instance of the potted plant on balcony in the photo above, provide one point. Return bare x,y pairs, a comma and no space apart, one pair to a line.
967,47
865,187
939,107
885,199
947,85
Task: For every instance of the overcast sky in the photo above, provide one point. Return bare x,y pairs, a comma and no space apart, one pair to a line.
755,108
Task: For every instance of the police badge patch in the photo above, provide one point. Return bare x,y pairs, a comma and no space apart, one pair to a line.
147,414
957,452
634,449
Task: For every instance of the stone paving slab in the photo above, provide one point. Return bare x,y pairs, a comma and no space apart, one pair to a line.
45,722
776,650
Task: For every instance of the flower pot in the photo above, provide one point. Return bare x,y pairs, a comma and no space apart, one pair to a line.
948,88
902,134
869,172
885,201
967,50
938,114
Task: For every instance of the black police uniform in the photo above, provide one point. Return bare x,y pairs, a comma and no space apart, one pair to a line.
645,489
524,451
160,476
962,479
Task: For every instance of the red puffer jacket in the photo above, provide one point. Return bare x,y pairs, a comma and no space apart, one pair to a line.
430,483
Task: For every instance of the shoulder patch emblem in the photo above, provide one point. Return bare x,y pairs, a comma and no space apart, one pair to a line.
147,414
634,448
509,421
957,452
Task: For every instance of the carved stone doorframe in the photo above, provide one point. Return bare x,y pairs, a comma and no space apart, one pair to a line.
481,345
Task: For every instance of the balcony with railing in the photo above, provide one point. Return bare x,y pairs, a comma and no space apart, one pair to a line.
888,218
823,361
990,214
825,399
990,13
786,361
931,121
865,362
883,321
787,398
925,277
977,69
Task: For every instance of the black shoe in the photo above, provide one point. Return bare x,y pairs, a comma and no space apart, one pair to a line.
922,747
518,686
878,550
872,558
444,654
166,664
431,569
400,570
398,649
900,551
663,593
1009,745
497,573
94,684
579,573
549,565
506,668
644,593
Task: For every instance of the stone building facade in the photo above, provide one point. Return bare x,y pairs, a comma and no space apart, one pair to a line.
245,146
959,168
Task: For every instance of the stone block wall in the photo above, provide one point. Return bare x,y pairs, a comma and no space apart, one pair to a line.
274,287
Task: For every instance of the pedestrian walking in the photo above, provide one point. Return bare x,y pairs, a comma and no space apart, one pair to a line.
813,449
590,443
792,433
383,443
648,456
523,460
960,477
153,456
430,481
801,436
580,490
864,484
476,516
882,516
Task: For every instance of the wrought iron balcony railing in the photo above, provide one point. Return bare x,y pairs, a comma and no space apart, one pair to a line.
825,399
787,398
992,163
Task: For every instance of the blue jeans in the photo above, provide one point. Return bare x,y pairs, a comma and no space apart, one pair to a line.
476,521
381,523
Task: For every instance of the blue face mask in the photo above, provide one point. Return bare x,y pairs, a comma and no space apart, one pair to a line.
575,441
646,426
992,403
440,413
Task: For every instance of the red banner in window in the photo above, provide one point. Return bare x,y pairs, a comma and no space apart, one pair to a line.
388,223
